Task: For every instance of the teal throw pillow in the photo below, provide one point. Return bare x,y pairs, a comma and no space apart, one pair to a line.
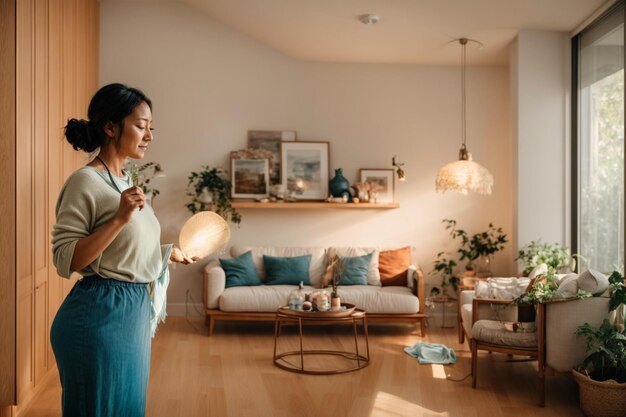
240,271
355,269
287,270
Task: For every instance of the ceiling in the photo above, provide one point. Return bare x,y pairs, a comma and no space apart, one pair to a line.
409,31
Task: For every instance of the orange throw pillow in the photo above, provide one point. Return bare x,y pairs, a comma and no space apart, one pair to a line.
393,266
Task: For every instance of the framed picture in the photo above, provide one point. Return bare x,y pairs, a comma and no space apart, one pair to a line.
270,140
384,181
250,178
305,169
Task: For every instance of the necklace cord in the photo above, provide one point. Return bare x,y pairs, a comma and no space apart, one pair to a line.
110,175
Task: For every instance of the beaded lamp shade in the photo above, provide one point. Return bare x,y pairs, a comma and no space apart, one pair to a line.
464,175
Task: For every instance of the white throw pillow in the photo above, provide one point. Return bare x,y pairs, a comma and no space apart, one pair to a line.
559,278
501,288
540,269
568,286
482,290
593,281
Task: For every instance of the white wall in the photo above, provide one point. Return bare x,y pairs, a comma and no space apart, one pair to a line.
210,84
540,92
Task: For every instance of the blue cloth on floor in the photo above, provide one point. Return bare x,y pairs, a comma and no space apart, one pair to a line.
431,353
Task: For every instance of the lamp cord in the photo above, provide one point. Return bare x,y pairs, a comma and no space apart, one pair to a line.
463,43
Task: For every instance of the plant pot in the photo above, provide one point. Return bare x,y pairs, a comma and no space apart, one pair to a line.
601,398
483,266
526,313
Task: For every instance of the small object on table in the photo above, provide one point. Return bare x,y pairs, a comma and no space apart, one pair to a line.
307,306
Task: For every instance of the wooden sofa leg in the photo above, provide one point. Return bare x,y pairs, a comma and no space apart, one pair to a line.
211,324
474,363
423,326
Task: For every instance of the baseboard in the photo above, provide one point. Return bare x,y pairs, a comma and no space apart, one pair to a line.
183,309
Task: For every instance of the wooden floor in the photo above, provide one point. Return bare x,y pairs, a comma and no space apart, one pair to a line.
232,374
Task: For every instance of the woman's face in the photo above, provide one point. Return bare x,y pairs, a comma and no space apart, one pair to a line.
137,132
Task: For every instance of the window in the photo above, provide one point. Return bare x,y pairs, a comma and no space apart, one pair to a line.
598,190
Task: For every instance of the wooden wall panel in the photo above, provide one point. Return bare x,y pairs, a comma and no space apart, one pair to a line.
70,24
69,76
24,162
7,207
55,54
55,148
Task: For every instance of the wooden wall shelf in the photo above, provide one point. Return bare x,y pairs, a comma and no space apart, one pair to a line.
312,205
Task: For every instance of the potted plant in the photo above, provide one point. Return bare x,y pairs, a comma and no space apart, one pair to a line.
444,267
142,175
540,290
601,376
557,257
479,247
209,189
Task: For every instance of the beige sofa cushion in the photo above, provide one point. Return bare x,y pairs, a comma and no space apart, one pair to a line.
372,299
373,275
259,298
316,268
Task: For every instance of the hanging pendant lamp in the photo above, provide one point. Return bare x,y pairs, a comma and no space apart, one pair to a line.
464,175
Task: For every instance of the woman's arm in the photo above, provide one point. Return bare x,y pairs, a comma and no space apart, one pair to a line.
90,247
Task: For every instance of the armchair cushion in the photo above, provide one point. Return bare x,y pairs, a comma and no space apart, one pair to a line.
494,332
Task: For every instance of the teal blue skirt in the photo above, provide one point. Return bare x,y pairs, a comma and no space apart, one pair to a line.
101,342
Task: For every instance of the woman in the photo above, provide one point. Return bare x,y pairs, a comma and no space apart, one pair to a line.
107,233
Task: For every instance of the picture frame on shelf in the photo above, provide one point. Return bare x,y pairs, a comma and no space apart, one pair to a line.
305,169
249,178
386,184
270,140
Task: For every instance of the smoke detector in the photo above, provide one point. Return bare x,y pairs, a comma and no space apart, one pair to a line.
369,19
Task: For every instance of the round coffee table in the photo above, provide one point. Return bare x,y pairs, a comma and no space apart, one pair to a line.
355,359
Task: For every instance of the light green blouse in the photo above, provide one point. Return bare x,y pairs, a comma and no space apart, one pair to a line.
87,201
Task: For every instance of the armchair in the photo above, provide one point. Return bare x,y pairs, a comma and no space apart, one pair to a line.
496,336
555,344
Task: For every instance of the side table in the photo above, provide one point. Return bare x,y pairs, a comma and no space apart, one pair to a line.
356,359
444,300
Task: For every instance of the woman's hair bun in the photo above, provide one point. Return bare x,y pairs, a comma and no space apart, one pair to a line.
79,134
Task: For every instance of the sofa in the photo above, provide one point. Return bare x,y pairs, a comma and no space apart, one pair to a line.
401,302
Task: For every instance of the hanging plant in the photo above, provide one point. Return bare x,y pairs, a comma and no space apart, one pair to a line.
209,189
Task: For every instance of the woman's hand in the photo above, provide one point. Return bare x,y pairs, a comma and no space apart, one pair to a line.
177,255
130,200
